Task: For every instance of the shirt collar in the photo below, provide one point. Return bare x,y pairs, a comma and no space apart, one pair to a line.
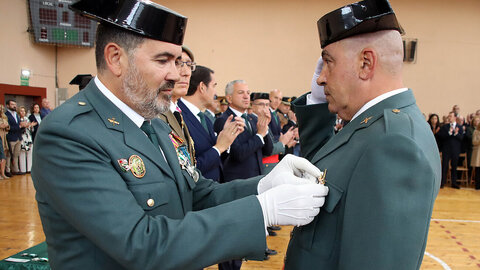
173,106
377,100
193,109
129,112
237,113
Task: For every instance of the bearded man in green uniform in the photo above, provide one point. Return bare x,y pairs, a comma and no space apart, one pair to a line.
383,167
116,189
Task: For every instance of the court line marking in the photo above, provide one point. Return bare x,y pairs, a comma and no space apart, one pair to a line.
442,263
456,220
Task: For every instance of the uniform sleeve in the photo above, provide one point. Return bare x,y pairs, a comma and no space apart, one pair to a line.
388,207
75,178
315,126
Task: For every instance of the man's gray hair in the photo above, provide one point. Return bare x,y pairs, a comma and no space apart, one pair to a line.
229,87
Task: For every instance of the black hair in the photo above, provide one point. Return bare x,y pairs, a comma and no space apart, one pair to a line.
201,74
106,34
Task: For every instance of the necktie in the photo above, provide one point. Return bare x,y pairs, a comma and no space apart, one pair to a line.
179,118
203,121
148,129
274,116
210,116
247,124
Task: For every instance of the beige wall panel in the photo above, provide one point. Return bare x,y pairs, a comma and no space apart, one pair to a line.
17,51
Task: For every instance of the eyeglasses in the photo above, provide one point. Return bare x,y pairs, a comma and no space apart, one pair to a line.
191,65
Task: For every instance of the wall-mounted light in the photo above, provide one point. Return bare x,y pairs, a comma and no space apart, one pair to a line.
25,76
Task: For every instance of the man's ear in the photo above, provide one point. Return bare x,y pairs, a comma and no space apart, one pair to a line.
368,62
115,58
202,87
229,99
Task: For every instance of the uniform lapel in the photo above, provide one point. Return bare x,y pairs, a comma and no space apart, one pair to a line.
162,131
364,120
115,119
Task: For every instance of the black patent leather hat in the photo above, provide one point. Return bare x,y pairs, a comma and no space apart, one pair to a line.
358,18
258,95
139,16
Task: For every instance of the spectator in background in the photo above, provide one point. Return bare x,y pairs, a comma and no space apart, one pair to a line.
14,137
208,146
25,160
469,135
46,108
4,127
35,117
456,110
475,163
223,105
451,137
477,113
434,123
246,152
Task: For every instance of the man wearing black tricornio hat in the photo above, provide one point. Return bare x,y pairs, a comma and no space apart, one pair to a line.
116,190
383,168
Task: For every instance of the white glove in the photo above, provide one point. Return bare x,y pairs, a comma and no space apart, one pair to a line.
318,94
292,204
291,170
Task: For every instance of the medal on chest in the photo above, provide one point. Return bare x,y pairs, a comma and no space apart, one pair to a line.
184,157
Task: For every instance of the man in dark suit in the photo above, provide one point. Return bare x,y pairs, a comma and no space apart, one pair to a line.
244,159
208,146
451,135
383,168
249,147
14,137
123,196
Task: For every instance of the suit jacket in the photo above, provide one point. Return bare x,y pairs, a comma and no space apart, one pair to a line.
15,132
97,215
209,161
181,129
451,144
274,126
246,152
32,119
383,174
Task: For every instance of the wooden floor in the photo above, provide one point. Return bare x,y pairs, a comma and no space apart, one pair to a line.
454,239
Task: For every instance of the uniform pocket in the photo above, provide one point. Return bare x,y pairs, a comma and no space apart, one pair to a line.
151,196
320,235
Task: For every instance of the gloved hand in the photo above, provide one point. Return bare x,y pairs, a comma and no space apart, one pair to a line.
291,170
318,94
292,204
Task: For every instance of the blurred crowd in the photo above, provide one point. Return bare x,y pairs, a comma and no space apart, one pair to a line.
18,127
458,139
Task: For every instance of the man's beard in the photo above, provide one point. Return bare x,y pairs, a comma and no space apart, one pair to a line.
145,101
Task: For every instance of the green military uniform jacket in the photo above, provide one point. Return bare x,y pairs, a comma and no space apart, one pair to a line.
97,214
383,174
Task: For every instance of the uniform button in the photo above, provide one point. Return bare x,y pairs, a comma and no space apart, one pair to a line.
150,202
81,103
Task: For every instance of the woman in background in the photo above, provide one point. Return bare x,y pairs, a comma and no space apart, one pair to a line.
25,162
434,122
35,117
4,127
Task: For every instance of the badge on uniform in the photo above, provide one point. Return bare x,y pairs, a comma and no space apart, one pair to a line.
135,165
321,178
183,156
123,163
